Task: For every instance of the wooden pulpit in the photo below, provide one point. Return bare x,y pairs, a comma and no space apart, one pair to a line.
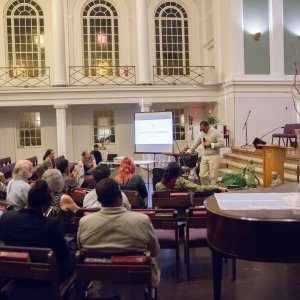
273,161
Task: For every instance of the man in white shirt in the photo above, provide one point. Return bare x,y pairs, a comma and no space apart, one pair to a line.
210,160
91,199
18,187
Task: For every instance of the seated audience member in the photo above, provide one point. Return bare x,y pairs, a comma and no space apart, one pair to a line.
114,229
97,154
29,228
66,214
18,187
91,200
56,184
2,184
69,178
172,180
48,160
128,180
89,162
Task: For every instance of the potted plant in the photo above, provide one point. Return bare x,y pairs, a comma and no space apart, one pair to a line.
212,120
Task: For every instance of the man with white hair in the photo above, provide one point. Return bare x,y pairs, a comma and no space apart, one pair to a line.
18,187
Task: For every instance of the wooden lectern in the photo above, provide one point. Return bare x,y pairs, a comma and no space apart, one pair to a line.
273,160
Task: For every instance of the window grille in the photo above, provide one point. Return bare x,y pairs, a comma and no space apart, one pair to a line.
104,126
100,39
172,40
29,129
25,39
178,123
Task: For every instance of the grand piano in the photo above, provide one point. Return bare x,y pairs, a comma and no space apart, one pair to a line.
257,235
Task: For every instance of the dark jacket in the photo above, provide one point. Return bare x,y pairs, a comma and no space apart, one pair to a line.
97,155
137,183
28,228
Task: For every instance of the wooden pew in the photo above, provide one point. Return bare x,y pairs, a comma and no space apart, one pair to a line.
34,264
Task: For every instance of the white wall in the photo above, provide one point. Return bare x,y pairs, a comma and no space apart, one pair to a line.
8,121
266,115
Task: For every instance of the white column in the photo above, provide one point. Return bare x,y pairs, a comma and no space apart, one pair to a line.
59,55
61,128
276,39
145,106
237,43
142,42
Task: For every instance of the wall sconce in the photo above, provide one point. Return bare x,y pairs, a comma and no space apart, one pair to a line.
257,36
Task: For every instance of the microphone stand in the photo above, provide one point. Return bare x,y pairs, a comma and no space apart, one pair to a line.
280,127
181,156
246,126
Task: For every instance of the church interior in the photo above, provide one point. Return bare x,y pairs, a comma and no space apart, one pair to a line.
219,82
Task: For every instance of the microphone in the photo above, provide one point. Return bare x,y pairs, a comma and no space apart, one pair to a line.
272,131
204,142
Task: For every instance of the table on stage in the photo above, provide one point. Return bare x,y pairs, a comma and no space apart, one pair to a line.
258,235
138,163
176,155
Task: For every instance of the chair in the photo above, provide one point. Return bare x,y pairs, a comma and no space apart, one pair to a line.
157,175
177,199
165,223
7,170
33,160
287,135
34,264
133,198
78,194
187,163
5,161
126,268
58,159
196,233
4,206
226,135
167,231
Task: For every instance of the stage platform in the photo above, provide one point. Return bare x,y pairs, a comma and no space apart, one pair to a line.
291,153
239,157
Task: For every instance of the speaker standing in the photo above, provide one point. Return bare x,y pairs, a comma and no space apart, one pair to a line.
212,142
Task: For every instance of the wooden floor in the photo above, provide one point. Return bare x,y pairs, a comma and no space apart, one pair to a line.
255,281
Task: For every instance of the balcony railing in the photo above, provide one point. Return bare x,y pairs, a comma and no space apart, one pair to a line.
102,75
189,75
24,76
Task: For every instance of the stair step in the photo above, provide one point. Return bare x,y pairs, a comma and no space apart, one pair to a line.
292,156
256,160
258,170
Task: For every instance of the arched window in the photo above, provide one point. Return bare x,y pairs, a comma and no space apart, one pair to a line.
25,39
172,39
100,38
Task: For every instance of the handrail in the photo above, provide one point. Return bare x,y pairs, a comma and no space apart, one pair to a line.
183,75
101,75
24,76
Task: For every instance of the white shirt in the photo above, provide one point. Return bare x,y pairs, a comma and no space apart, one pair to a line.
91,200
17,193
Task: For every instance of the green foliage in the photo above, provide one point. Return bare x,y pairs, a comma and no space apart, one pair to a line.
234,179
245,178
212,120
